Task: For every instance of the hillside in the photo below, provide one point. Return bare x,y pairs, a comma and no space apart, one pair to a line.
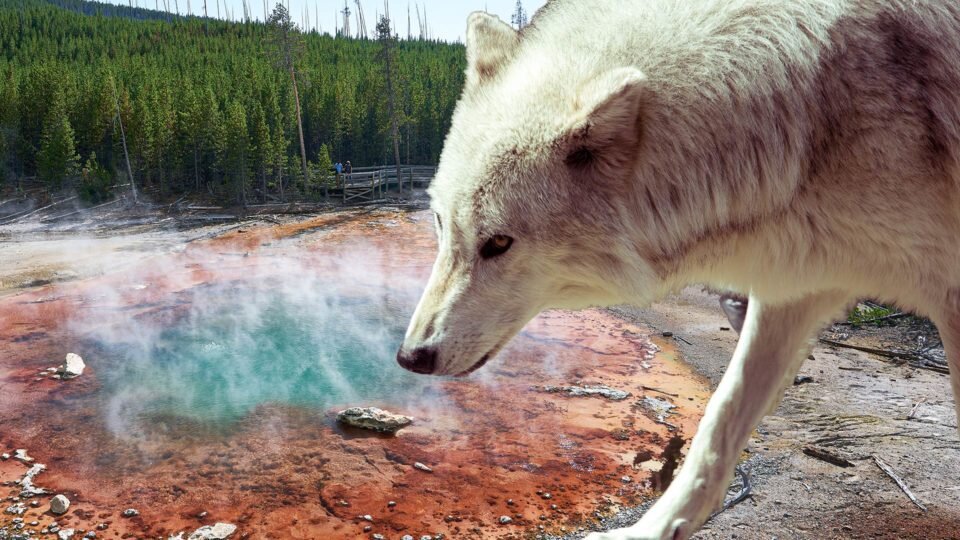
202,102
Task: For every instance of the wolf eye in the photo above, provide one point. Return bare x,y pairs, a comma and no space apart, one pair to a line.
496,245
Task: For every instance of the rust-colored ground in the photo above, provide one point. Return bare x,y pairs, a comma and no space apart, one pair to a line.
286,472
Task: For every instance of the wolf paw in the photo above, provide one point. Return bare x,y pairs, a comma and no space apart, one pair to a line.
678,531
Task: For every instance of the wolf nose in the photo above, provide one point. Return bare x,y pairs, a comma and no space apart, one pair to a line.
420,360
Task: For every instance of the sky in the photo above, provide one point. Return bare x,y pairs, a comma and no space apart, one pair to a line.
445,18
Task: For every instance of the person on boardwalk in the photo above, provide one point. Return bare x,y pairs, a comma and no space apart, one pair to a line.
339,168
348,168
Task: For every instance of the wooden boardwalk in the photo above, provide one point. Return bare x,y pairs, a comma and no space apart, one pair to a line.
371,183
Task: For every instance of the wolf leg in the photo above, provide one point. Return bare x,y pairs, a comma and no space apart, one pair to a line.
949,328
772,346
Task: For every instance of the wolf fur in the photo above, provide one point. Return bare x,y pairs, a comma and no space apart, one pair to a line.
802,154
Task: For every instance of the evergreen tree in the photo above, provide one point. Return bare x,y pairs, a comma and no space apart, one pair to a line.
235,153
387,45
9,126
288,48
174,81
519,17
57,160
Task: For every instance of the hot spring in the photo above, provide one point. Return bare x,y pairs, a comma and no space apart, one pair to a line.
215,370
232,352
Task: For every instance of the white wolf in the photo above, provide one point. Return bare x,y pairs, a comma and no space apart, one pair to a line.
802,153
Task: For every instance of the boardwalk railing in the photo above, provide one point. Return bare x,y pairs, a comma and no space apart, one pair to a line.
369,183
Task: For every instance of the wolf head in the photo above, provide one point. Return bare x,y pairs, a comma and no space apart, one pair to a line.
529,199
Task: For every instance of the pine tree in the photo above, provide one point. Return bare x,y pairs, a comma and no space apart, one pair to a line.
9,125
519,17
235,155
388,43
288,48
57,160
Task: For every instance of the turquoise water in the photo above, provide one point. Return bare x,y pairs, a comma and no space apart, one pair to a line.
236,348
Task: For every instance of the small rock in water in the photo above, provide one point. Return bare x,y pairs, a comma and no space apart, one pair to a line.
130,512
72,367
406,537
626,479
218,531
59,505
4,456
378,537
422,467
391,504
374,419
505,519
367,517
65,534
586,391
20,454
802,379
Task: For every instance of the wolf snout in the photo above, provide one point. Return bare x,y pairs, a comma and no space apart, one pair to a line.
421,360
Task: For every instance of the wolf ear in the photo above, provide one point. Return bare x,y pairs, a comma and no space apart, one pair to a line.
605,130
490,44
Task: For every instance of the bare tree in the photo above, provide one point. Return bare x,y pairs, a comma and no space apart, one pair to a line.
388,43
287,49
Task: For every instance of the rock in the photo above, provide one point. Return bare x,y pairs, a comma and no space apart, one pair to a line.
130,512
378,537
65,534
367,517
59,505
17,509
27,489
406,537
367,528
422,467
71,367
505,520
20,454
4,456
391,504
626,479
374,419
217,531
426,537
658,409
802,379
587,391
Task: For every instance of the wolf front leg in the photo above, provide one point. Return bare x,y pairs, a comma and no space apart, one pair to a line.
772,346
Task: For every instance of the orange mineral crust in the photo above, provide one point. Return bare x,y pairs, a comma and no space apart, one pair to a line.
499,456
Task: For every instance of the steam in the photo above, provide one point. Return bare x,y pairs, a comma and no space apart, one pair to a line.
208,336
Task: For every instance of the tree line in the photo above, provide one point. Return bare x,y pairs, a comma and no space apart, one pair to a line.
203,104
